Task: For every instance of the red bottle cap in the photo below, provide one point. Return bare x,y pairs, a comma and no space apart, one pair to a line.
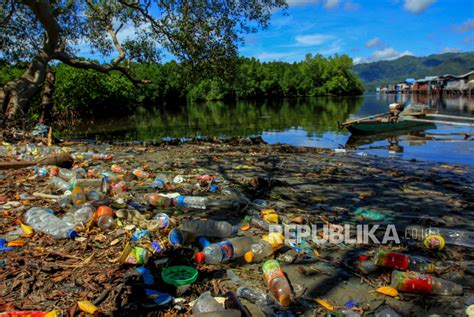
363,258
200,257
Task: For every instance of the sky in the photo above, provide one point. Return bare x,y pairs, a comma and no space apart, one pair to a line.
366,30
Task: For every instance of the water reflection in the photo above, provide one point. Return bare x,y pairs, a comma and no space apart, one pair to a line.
305,122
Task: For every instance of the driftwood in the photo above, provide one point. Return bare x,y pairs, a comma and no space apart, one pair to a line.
61,160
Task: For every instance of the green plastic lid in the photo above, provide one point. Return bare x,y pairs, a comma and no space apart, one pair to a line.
179,275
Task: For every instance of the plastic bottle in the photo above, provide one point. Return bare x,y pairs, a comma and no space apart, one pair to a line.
210,228
92,195
206,303
451,236
415,282
102,157
158,200
78,196
402,262
85,182
94,172
65,199
116,168
66,174
44,220
160,181
81,216
225,250
259,298
105,217
141,173
277,282
191,202
59,184
118,188
265,247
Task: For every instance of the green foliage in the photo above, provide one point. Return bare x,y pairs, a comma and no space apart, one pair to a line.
87,91
383,72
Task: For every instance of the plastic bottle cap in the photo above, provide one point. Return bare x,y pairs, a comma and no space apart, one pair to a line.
71,234
249,256
200,257
235,230
284,300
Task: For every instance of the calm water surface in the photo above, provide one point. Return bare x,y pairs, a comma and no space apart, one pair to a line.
309,122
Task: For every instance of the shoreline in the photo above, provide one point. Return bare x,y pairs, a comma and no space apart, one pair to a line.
310,183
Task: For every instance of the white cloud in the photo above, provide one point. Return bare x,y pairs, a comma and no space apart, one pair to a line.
357,60
466,26
450,50
417,6
375,42
388,54
351,6
331,4
311,39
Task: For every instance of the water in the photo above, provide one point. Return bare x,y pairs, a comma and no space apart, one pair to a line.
312,122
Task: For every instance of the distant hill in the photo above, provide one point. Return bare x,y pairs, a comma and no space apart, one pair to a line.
376,73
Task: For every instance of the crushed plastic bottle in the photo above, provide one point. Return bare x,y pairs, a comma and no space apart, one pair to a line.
206,304
415,282
451,236
44,220
277,282
257,297
225,250
59,184
209,228
265,247
80,217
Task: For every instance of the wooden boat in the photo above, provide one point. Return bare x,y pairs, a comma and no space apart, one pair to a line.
386,122
381,126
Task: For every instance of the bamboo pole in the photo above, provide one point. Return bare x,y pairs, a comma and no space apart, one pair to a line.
439,121
365,118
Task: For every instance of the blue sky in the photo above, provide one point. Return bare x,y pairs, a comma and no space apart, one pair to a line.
366,30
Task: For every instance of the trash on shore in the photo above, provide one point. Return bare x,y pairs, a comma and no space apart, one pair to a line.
201,229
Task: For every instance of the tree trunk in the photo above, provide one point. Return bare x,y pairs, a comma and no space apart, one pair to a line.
19,92
46,99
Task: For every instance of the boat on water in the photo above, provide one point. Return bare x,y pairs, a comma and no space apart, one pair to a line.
383,126
396,119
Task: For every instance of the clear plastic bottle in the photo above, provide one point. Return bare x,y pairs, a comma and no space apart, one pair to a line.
191,202
386,311
160,181
65,200
105,217
85,182
210,228
277,282
225,250
66,174
265,247
80,217
44,220
451,236
206,304
78,196
59,184
93,195
415,282
259,298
